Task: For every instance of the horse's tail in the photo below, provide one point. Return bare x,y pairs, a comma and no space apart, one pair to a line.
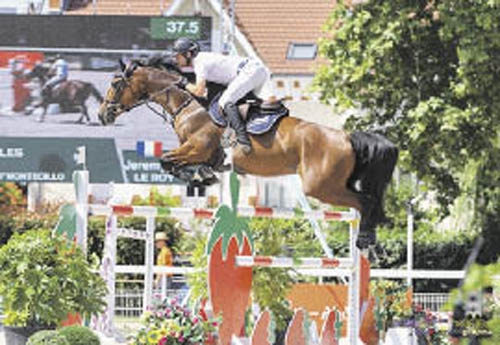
376,158
94,92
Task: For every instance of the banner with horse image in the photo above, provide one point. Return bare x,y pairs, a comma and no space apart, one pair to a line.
48,105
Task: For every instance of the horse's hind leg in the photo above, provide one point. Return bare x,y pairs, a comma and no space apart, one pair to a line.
41,118
328,182
340,195
84,114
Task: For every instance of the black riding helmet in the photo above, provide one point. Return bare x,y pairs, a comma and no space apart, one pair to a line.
184,45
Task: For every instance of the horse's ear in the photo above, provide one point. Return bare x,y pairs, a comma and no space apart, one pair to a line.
130,69
122,65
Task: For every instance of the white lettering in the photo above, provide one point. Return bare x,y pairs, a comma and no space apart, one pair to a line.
141,166
20,176
140,177
161,178
11,152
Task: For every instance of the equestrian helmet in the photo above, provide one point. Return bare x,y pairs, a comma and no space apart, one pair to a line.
184,45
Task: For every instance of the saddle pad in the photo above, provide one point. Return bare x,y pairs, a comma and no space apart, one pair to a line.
258,122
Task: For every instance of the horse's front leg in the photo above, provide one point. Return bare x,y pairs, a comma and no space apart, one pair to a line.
190,164
188,154
173,158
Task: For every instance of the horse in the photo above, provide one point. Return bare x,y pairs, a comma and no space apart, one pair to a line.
71,95
336,167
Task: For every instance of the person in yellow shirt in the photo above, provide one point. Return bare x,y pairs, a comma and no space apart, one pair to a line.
164,258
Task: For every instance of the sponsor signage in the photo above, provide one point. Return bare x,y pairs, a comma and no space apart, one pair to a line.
145,170
53,159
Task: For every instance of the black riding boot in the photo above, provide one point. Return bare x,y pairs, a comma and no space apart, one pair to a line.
46,92
237,123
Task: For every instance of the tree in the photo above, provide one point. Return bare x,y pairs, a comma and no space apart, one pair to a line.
426,74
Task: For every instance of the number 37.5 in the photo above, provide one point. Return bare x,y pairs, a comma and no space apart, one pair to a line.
174,27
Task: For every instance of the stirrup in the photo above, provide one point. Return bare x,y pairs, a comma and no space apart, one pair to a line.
228,139
245,146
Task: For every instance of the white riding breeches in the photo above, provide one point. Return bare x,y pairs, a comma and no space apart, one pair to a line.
253,76
56,80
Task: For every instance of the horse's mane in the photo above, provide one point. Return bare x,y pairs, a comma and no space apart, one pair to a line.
160,62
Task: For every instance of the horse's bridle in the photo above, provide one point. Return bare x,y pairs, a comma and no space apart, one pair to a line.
119,86
122,82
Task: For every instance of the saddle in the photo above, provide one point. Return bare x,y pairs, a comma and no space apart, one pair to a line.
260,116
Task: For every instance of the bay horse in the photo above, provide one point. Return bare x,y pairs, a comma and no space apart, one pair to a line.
70,95
336,167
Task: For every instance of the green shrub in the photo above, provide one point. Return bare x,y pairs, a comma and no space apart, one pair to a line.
78,335
47,338
42,279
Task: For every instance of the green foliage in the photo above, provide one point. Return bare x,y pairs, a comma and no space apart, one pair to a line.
157,199
11,194
78,335
18,220
391,302
47,338
198,280
494,325
42,279
279,237
130,251
426,73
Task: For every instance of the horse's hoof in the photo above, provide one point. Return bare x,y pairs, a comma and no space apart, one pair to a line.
210,181
366,239
167,165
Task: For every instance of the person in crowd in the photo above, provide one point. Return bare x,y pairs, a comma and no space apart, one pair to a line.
164,258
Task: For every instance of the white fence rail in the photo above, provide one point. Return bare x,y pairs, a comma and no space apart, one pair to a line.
432,301
129,302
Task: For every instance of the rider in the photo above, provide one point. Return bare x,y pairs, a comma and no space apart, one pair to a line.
60,69
241,75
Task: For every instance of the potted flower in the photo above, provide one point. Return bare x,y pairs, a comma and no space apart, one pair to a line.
43,278
169,323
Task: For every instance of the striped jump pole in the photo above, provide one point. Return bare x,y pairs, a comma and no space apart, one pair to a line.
206,213
286,262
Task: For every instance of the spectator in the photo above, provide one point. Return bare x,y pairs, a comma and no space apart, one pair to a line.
164,258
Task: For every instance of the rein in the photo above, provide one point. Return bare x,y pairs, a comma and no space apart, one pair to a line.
122,83
164,115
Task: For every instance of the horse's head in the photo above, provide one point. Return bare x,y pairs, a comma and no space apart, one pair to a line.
132,87
127,90
38,71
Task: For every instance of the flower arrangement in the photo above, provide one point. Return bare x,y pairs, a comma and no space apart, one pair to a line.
426,326
169,323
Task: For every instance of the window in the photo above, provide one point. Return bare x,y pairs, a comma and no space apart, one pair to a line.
301,51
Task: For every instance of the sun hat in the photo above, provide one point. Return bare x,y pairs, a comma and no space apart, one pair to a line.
160,236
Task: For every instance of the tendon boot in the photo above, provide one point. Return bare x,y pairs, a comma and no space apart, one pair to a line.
237,123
